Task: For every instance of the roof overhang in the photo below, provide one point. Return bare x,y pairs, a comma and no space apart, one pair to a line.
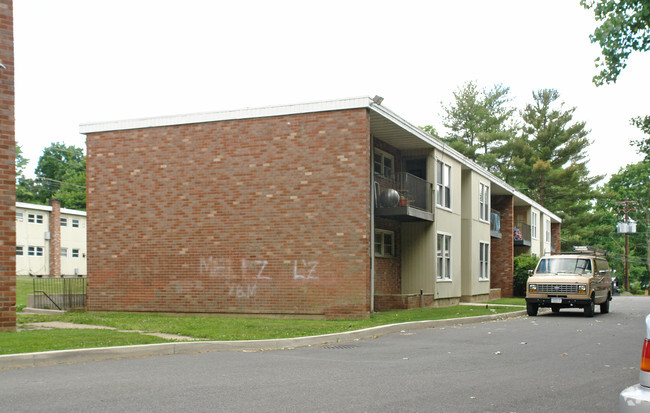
384,124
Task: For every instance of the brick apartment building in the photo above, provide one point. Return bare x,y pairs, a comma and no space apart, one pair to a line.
333,209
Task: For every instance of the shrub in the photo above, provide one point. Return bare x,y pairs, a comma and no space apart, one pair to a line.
523,263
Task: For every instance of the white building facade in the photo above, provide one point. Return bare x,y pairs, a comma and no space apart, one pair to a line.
50,241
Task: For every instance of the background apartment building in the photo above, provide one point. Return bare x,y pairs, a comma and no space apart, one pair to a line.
50,241
334,209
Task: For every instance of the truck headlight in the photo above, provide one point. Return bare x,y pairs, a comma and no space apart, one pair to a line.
532,288
582,288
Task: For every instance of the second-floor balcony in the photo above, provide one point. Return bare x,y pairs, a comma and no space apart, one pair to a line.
404,197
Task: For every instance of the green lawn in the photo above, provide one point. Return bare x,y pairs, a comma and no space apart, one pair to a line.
202,327
24,287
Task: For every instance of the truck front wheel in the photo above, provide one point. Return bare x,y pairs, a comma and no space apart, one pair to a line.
604,307
590,308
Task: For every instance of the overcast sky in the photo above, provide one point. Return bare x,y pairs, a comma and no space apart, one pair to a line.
80,61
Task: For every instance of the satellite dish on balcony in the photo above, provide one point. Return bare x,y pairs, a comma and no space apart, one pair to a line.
389,198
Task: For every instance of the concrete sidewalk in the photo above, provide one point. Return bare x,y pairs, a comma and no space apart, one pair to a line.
47,358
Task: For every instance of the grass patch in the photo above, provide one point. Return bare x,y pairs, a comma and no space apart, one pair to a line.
510,301
227,328
28,341
24,287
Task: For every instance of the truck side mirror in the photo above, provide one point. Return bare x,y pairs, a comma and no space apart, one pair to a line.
530,272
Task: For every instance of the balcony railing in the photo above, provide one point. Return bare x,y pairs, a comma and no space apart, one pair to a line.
522,234
404,197
495,224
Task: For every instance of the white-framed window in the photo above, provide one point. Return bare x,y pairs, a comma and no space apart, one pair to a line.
384,243
35,218
64,222
35,251
547,228
75,253
20,216
483,261
443,255
75,223
384,163
443,180
64,252
20,250
484,202
533,224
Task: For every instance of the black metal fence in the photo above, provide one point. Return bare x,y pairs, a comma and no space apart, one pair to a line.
59,293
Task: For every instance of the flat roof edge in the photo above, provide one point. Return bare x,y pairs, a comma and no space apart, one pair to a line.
152,122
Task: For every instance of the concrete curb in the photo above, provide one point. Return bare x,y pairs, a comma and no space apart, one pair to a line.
47,358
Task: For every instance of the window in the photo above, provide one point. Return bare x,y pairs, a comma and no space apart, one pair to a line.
484,261
35,218
64,222
75,253
484,202
20,251
547,226
64,252
533,224
384,243
35,251
383,163
443,180
444,257
19,216
75,223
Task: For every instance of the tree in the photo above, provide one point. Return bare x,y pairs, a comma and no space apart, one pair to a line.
624,28
60,174
479,122
643,145
25,190
548,161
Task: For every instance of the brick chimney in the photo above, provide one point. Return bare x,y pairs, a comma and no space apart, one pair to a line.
55,238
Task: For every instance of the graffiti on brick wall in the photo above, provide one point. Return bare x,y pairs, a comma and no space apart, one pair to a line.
242,280
304,270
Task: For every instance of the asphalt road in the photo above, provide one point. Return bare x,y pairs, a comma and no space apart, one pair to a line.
549,363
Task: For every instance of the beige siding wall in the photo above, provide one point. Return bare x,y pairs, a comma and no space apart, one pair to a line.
73,239
535,239
474,231
32,234
418,258
448,222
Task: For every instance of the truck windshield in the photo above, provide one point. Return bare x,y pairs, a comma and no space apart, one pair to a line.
557,265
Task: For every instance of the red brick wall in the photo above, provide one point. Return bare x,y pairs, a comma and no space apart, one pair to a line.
55,238
7,172
267,216
502,251
556,232
388,272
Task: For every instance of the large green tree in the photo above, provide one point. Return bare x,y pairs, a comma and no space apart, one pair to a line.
624,28
60,174
548,161
479,122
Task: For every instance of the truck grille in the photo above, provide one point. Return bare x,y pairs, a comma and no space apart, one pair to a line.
557,288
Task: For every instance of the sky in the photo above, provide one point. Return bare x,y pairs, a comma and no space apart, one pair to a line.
80,61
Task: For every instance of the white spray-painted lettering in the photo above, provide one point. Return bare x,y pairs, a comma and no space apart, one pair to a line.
241,291
257,265
243,281
305,270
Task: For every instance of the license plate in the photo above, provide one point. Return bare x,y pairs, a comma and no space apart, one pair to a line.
556,300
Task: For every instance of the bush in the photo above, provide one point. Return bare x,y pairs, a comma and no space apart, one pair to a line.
523,263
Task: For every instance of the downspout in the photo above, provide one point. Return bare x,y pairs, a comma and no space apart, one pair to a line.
372,225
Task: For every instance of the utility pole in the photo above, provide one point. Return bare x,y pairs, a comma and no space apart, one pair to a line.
625,207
